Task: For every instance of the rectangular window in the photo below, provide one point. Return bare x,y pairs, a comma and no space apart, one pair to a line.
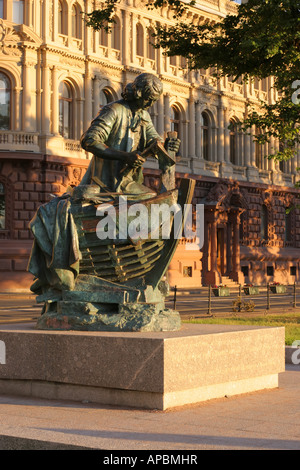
270,271
245,270
18,11
293,270
187,271
1,9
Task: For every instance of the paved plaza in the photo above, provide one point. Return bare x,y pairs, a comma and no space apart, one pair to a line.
265,420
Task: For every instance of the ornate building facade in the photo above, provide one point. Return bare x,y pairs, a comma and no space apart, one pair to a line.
55,74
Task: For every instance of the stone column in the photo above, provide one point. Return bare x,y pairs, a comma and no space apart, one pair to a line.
29,13
45,99
252,152
298,157
271,163
229,248
55,98
191,127
80,112
87,98
159,60
198,129
16,109
46,22
221,149
26,99
247,150
96,95
55,21
167,112
213,255
205,248
236,244
226,136
160,115
236,274
125,38
133,37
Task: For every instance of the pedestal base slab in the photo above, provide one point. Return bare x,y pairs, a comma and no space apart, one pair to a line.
143,369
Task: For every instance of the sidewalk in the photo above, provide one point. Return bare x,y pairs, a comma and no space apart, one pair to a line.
264,420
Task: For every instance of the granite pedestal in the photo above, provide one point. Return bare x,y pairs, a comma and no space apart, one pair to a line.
157,370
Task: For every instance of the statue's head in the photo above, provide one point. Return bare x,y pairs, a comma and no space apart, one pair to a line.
143,91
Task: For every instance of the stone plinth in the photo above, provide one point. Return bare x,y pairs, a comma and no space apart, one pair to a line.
145,369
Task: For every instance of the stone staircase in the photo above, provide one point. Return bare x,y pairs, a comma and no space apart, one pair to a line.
226,281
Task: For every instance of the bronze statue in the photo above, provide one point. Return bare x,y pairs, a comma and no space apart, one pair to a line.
92,283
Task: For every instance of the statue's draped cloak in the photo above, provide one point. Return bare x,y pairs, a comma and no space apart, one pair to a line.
55,253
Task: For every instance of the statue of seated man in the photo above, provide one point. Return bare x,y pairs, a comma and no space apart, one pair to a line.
116,138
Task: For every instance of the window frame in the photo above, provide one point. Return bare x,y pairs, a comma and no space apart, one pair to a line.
205,131
62,101
139,31
10,100
76,23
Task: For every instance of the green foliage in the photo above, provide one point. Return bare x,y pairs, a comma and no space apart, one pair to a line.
262,39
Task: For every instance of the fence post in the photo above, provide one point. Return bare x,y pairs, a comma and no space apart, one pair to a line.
174,300
294,302
240,297
209,300
268,296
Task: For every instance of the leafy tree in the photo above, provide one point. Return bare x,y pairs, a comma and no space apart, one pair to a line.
262,39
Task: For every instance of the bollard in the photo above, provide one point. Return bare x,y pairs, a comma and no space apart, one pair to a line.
294,302
209,300
240,297
268,296
174,300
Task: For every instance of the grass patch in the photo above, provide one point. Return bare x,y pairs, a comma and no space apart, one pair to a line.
291,322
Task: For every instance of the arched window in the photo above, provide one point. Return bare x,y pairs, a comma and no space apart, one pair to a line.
116,34
205,136
18,11
62,18
2,207
150,42
76,21
264,223
175,119
139,40
259,152
105,97
66,128
233,142
5,102
103,36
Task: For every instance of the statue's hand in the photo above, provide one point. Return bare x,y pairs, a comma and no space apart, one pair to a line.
173,145
134,159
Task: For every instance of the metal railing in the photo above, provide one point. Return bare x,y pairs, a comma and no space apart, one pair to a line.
210,300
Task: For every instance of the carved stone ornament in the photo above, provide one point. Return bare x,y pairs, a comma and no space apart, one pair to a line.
9,39
12,36
225,195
